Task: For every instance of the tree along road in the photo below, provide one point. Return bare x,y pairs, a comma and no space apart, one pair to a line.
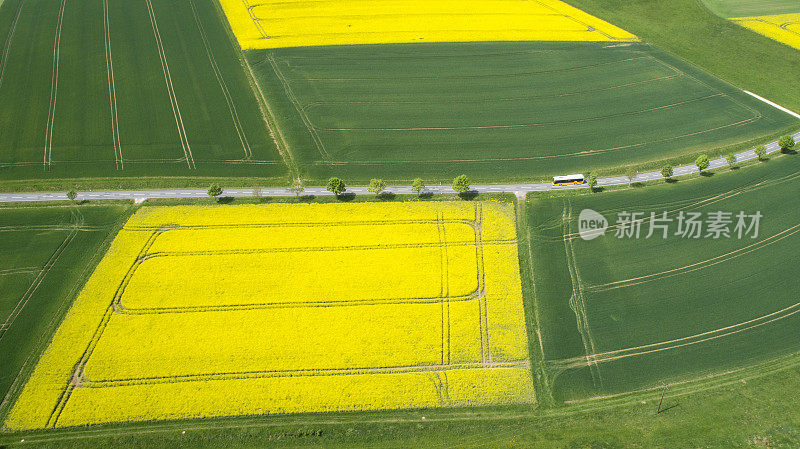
518,189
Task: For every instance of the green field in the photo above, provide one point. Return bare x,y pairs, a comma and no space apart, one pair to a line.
517,111
749,8
123,89
622,314
47,254
728,51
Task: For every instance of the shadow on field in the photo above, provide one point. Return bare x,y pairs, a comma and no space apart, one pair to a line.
789,151
637,185
425,195
306,198
669,407
707,174
346,197
468,195
386,196
671,180
225,200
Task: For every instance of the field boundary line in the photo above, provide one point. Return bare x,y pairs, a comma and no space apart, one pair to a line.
543,381
296,103
9,40
773,104
248,153
269,120
51,113
176,111
589,28
112,91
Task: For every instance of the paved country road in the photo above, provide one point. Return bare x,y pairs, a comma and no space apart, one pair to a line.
519,189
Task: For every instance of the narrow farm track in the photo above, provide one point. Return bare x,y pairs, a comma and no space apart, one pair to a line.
518,189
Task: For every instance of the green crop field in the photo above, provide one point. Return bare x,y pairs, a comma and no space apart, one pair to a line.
748,8
730,52
121,89
499,110
47,253
622,314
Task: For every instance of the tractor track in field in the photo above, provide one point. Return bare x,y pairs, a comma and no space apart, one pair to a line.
9,40
173,98
530,158
311,372
112,92
533,124
496,100
491,75
610,356
37,281
248,153
47,160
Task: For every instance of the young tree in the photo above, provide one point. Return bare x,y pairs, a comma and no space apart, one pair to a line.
418,186
214,190
731,160
761,152
786,143
667,171
297,188
591,179
702,163
630,174
71,195
461,184
336,186
376,186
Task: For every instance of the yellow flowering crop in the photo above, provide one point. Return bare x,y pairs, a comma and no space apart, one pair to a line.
782,27
275,23
237,310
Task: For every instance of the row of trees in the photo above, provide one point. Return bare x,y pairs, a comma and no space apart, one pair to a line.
461,183
378,186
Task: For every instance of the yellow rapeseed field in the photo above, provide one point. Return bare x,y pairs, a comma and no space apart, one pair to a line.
782,27
276,23
240,310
